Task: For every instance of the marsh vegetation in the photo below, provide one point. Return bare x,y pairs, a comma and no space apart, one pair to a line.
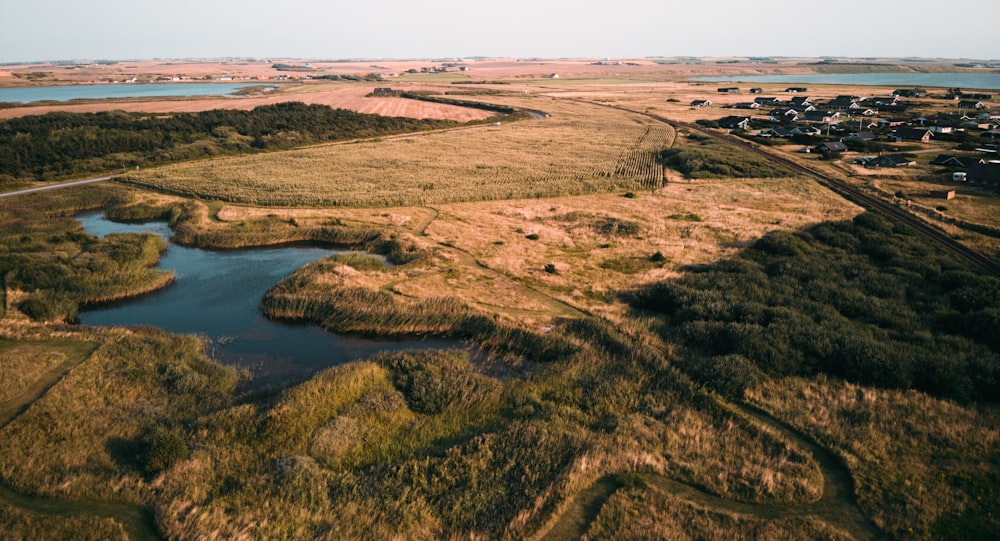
610,338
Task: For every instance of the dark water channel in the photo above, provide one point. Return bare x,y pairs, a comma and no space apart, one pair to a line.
216,296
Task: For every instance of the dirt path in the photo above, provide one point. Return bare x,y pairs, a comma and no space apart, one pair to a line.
137,520
837,505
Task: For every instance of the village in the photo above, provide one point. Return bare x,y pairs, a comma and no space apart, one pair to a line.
954,136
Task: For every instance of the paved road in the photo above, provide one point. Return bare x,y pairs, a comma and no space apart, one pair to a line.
54,186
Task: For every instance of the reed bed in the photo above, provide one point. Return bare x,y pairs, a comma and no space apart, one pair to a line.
579,149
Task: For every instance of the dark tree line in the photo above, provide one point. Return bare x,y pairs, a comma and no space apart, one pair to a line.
867,301
61,144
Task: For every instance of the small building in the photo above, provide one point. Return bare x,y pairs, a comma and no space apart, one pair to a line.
729,90
890,160
831,147
756,90
766,101
826,117
949,160
382,91
987,174
910,93
911,134
735,122
859,137
943,194
970,104
745,105
796,89
801,100
701,103
781,133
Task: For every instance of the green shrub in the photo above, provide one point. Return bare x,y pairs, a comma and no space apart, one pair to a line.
161,448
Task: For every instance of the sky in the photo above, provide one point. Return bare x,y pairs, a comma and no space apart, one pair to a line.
335,29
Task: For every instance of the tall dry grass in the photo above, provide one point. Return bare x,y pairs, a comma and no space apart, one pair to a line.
580,149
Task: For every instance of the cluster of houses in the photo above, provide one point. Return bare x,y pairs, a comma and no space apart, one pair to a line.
851,121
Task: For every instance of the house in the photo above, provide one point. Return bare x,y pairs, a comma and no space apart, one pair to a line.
745,105
827,117
801,100
756,90
892,122
914,93
974,125
735,122
784,115
911,134
890,160
729,90
898,108
881,102
382,91
796,89
843,103
862,112
766,101
859,137
987,174
701,103
969,104
949,160
992,115
990,134
831,147
782,133
807,130
938,130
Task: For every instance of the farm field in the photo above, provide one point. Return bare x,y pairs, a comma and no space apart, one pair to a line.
646,354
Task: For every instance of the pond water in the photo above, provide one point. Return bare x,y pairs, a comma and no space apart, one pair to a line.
105,91
980,81
216,296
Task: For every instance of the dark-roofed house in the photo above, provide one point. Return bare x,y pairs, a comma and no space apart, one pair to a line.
796,89
890,160
911,134
821,116
984,173
701,103
735,122
831,147
782,133
949,160
859,137
911,93
842,103
800,100
756,90
969,104
745,105
729,90
784,115
766,101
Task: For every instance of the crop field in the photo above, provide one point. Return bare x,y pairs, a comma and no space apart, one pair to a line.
578,149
